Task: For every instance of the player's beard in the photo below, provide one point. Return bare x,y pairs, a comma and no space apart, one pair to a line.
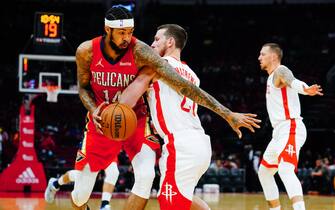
117,49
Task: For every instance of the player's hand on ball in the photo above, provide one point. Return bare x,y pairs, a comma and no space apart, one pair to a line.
97,116
247,120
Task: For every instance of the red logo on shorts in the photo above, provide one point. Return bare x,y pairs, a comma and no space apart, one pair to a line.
169,192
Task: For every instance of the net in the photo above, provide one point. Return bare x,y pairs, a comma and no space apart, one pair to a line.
52,93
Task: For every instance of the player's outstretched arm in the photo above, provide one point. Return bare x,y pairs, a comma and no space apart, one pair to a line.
145,56
284,77
313,90
83,60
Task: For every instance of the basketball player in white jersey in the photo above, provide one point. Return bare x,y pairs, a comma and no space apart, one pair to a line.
289,132
186,152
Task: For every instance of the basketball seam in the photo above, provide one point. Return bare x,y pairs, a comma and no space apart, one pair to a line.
112,124
125,123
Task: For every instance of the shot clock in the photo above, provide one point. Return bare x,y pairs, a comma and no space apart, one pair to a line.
48,28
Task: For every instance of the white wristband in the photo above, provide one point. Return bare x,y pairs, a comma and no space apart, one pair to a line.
299,86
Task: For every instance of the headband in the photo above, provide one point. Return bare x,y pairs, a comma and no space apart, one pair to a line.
123,23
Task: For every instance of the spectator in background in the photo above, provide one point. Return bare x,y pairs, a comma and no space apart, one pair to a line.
320,178
47,147
216,165
230,162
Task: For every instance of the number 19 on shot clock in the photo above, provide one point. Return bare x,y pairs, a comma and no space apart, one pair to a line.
48,28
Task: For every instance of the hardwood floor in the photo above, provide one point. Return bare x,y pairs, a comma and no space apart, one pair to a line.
223,201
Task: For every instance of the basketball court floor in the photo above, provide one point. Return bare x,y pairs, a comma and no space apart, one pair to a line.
223,201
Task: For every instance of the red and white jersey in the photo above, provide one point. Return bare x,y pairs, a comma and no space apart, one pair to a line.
110,77
172,112
281,103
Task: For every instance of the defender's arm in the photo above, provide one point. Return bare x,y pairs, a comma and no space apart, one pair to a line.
284,77
145,56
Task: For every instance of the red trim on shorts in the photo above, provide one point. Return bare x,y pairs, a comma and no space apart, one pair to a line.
169,198
285,102
289,154
268,165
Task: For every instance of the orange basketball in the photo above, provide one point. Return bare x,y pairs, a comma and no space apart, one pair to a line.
118,122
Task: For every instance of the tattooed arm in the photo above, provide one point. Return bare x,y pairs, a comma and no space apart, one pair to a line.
145,56
284,77
83,59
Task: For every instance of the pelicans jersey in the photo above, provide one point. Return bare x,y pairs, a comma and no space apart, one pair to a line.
108,79
289,133
186,151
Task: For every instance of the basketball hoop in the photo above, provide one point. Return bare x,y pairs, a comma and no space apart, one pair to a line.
52,92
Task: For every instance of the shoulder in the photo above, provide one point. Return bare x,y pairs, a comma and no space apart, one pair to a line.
85,46
139,46
283,67
84,50
145,55
282,71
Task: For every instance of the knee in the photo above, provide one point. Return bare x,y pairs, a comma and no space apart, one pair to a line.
112,174
79,198
262,171
143,183
265,173
72,174
145,176
285,169
111,178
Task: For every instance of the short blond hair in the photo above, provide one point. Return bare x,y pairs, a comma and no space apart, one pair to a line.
274,47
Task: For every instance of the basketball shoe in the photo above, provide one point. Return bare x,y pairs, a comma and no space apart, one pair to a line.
50,191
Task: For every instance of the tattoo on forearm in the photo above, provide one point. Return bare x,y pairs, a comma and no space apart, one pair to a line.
87,98
144,55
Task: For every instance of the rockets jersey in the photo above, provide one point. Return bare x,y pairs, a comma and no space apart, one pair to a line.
109,78
281,103
172,112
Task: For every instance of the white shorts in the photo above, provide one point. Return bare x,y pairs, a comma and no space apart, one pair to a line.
287,139
185,158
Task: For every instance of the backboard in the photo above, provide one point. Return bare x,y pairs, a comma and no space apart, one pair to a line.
38,72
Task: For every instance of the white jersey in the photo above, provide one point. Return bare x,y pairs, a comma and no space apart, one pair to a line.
172,112
281,103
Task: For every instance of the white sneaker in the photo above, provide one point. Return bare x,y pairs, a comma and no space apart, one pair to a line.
50,191
106,207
